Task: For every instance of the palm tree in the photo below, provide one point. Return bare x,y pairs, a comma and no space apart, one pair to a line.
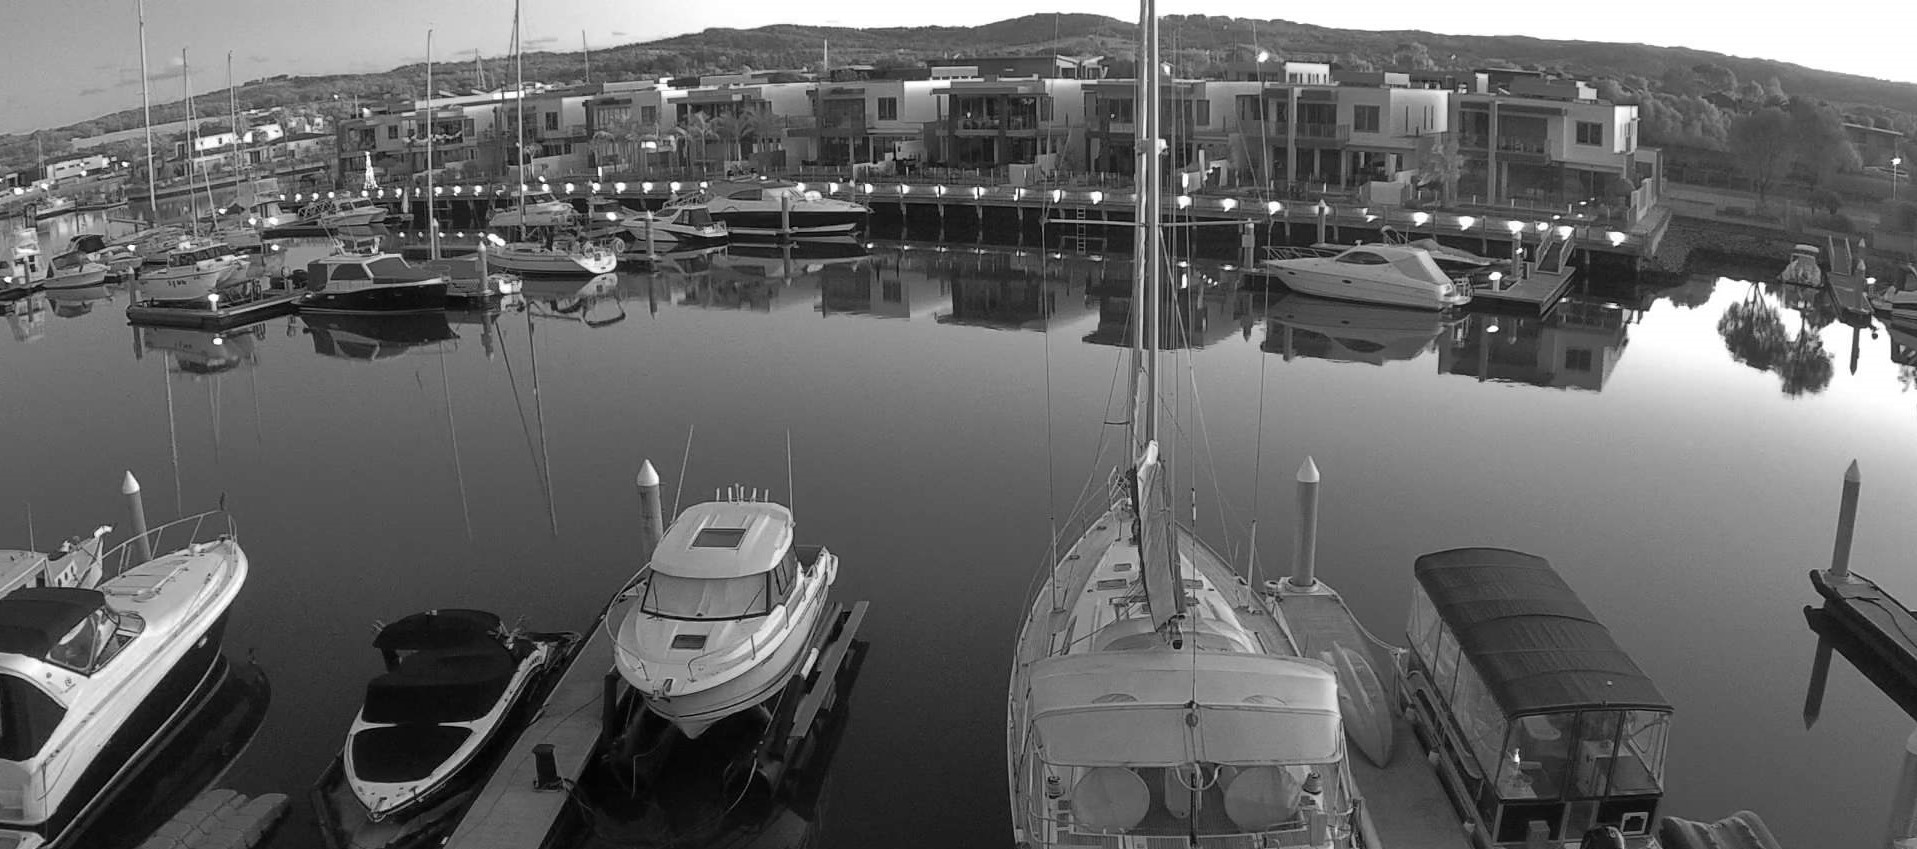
697,129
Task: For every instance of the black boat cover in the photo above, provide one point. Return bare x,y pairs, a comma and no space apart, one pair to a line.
33,619
404,752
1536,646
435,629
451,684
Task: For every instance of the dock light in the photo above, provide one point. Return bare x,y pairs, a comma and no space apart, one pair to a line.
1097,198
674,186
1495,277
1564,231
1017,193
364,193
542,178
1273,207
477,190
1515,227
1419,218
1491,328
1615,237
282,196
1057,255
494,238
868,188
1370,218
705,184
1228,204
329,195
595,187
940,190
461,234
799,187
612,216
213,298
382,192
831,188
1058,195
904,189
568,185
439,190
1465,222
1183,201
1543,226
978,192
252,222
1184,263
621,187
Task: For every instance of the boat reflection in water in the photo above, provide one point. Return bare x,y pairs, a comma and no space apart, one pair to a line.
1577,346
375,337
594,303
762,278
1186,317
649,788
190,759
1344,331
73,303
201,352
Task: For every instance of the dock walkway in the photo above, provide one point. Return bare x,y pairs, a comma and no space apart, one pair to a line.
265,305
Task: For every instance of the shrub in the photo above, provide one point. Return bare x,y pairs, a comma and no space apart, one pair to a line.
1825,199
1903,217
1837,222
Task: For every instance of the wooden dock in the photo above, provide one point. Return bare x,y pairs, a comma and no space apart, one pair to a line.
1875,629
260,307
1405,806
1538,284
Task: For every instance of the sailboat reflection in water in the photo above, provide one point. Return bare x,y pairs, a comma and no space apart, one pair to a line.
1154,694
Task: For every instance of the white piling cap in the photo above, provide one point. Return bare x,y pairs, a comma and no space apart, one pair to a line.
648,476
129,486
1852,474
1308,472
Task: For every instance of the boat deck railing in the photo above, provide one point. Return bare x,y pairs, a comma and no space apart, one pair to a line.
210,526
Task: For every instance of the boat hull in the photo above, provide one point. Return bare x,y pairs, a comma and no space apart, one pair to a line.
188,285
93,274
693,713
385,299
551,265
800,222
1311,281
355,218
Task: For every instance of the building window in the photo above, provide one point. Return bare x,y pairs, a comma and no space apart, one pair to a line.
1590,132
648,114
1364,119
1577,359
1248,108
392,131
1045,109
888,109
552,120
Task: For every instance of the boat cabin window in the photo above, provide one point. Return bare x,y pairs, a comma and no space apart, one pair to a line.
1362,258
27,718
88,645
674,597
349,271
782,578
1202,798
1586,755
698,216
745,194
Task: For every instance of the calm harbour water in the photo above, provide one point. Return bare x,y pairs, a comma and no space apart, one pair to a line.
1681,491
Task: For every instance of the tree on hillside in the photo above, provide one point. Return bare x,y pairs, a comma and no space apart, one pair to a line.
1715,77
1761,141
1819,147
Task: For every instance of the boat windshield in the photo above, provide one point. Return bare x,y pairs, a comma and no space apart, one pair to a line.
1202,798
674,597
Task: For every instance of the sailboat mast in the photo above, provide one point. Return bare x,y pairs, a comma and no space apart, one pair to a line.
519,123
432,221
146,113
587,52
192,145
1149,183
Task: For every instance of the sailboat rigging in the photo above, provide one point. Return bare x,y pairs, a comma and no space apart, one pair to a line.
1155,694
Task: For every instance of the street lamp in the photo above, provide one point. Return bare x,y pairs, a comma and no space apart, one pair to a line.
1895,161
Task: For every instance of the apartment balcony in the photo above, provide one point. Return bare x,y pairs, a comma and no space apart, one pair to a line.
1523,149
1474,141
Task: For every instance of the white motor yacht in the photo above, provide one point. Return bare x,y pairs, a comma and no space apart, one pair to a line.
783,209
540,209
721,617
451,678
689,225
343,211
90,678
1396,275
561,256
76,563
194,269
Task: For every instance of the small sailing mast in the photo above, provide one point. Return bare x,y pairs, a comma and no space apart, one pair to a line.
1157,545
432,222
192,146
146,112
519,123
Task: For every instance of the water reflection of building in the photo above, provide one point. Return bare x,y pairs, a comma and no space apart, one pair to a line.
1343,331
375,337
1576,347
1194,317
201,352
27,317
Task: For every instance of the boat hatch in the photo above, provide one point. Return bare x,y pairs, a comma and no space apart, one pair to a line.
719,538
1546,717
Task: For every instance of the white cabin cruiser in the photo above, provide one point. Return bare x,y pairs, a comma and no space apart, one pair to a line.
1396,275
674,224
194,269
344,211
451,678
76,563
538,208
778,208
722,616
91,678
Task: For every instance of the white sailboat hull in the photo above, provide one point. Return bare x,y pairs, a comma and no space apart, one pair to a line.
352,218
527,259
186,284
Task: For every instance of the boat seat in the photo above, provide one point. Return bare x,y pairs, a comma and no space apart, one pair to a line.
1111,798
1261,797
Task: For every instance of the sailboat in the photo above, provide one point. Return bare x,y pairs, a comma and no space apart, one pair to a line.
196,266
1155,696
468,277
554,256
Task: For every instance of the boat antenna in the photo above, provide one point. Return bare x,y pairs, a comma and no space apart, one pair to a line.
519,123
146,112
685,460
791,490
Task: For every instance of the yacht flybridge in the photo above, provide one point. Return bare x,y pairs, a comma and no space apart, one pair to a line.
721,617
91,676
1155,697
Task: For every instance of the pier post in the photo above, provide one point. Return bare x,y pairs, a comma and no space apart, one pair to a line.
1846,522
1820,678
652,523
1304,555
1247,244
785,216
1323,212
1902,833
652,247
130,487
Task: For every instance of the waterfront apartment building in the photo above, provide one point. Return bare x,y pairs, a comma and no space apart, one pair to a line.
1523,136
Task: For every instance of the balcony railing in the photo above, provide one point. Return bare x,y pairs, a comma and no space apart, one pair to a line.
1519,144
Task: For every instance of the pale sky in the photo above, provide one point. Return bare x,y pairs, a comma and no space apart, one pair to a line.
70,60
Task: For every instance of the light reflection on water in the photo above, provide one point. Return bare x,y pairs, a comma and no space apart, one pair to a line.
1675,454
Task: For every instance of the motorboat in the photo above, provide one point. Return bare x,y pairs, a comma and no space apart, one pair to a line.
92,678
1519,693
194,269
76,563
558,256
52,206
75,271
368,336
333,213
452,677
1345,331
782,209
151,244
535,208
674,225
360,278
1445,255
1803,270
720,618
1396,275
1156,698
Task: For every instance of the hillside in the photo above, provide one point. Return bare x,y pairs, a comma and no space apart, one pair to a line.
1197,43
